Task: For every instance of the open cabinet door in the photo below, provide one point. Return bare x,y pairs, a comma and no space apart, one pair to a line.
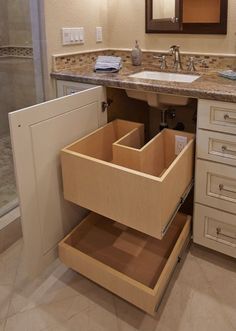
38,133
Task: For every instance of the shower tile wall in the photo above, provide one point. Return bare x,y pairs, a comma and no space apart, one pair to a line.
19,25
4,40
17,87
6,100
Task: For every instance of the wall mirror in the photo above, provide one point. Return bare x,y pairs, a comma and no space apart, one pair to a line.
186,16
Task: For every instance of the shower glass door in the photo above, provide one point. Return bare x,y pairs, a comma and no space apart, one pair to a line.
17,86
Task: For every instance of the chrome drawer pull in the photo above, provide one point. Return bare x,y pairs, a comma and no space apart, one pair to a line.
225,149
219,232
229,118
227,189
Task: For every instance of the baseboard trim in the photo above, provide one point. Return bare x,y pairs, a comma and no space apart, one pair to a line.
9,218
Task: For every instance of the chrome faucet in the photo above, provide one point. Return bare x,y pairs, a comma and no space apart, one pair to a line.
174,50
162,58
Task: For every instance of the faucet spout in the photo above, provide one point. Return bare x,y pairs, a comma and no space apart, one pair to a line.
175,51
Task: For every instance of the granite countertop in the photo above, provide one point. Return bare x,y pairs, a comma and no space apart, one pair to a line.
208,86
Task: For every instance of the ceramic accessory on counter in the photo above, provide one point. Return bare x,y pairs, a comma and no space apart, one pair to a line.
136,55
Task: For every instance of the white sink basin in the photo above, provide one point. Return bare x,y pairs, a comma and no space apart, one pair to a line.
166,76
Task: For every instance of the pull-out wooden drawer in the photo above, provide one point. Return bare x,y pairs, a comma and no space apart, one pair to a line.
130,264
215,229
113,173
216,185
217,116
216,146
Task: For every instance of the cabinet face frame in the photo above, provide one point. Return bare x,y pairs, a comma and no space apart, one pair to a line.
166,26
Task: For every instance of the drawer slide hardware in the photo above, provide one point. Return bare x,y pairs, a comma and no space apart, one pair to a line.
226,189
225,149
227,117
219,232
181,202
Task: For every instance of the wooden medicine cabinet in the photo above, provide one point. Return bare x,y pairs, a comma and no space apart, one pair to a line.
186,16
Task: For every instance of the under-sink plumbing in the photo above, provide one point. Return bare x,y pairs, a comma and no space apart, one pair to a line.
167,112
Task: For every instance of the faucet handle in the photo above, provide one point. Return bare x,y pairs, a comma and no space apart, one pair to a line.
191,63
162,59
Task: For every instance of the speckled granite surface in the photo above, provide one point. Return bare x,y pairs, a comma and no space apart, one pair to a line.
208,86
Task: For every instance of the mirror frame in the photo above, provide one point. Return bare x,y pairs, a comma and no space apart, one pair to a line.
167,26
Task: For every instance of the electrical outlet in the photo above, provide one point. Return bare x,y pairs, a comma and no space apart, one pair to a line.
180,143
99,34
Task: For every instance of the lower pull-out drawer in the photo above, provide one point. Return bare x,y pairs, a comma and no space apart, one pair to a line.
130,264
215,229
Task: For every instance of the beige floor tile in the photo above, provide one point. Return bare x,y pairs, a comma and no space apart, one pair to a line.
2,323
9,261
43,317
220,272
79,322
5,297
55,286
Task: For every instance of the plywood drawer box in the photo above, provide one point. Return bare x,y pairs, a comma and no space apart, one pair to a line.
130,264
215,229
216,185
121,178
215,146
217,116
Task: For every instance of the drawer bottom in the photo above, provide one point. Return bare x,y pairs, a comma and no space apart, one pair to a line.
132,265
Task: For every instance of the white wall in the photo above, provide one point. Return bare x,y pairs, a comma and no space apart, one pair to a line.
126,22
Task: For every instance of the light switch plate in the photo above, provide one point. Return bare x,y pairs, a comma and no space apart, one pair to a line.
72,36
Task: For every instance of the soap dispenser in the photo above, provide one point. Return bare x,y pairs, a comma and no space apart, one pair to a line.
136,55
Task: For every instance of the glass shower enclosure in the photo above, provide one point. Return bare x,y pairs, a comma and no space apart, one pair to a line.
17,85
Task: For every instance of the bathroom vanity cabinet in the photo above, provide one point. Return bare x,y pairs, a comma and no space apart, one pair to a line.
131,240
215,189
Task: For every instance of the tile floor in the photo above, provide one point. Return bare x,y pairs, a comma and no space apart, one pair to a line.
201,297
7,178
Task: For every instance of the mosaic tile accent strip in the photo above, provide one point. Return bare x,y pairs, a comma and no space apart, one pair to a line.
16,51
202,62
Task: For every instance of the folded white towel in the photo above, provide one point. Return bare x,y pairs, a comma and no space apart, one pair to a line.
108,63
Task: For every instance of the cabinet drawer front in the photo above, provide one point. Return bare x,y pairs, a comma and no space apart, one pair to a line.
126,262
216,115
216,146
216,185
215,229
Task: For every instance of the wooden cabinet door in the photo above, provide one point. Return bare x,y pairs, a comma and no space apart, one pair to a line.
38,134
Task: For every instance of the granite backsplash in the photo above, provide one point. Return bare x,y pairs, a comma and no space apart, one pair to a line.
202,62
